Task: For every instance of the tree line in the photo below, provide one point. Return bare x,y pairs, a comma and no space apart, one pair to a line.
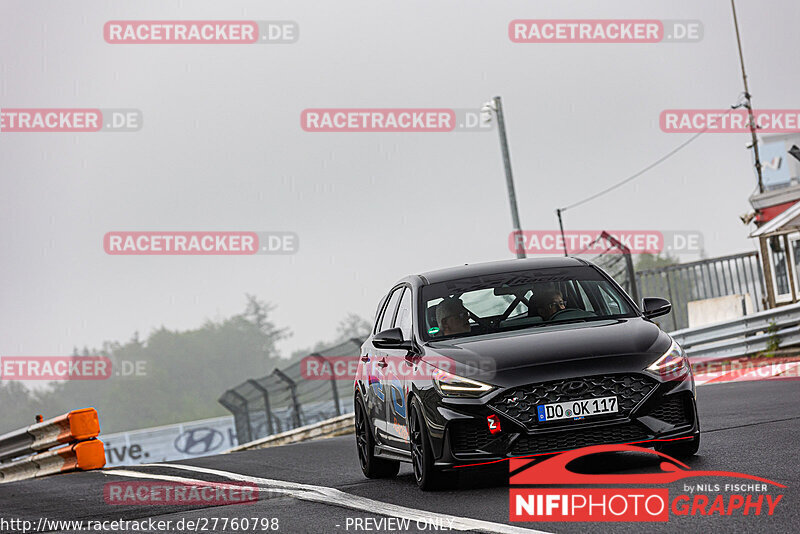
171,376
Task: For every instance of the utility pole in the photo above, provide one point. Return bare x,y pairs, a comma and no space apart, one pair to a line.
561,226
748,104
512,197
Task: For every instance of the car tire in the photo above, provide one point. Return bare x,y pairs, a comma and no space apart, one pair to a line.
680,449
426,475
371,466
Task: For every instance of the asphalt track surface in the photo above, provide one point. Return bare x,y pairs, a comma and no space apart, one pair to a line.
749,427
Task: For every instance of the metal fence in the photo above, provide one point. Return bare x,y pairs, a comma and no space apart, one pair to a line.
739,274
284,399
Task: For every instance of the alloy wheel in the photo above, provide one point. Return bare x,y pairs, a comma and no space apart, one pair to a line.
361,436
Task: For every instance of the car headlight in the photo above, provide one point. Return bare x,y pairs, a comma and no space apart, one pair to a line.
450,385
672,365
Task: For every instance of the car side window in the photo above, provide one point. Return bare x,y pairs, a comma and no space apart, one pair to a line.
614,307
403,321
391,308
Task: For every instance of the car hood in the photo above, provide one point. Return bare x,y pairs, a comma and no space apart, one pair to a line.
553,352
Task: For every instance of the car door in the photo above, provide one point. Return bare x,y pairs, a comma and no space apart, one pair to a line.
375,361
395,374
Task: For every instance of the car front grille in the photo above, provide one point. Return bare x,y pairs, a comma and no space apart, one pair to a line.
468,436
573,439
675,411
519,404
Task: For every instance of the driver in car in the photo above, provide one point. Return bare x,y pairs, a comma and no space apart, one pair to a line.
549,302
452,317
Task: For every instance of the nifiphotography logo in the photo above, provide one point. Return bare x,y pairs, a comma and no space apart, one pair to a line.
730,496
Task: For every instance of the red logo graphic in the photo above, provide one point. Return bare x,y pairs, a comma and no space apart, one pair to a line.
624,504
554,470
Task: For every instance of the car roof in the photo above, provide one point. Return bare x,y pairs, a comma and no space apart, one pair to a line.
503,266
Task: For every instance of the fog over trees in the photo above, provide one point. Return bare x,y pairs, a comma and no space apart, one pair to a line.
171,376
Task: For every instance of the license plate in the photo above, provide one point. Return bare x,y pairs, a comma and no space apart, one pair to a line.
577,408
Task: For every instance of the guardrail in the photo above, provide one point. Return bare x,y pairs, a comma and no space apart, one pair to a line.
76,425
742,336
83,456
21,451
337,426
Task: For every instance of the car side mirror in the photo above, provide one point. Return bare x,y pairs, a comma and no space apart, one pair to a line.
391,339
655,307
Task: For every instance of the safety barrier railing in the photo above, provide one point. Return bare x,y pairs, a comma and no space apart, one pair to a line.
742,336
335,426
24,453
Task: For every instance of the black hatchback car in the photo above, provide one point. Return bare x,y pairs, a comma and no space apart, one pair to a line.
483,362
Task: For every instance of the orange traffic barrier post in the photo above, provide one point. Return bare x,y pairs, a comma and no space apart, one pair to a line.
81,456
77,425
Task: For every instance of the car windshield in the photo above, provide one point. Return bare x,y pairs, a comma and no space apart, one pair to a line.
521,299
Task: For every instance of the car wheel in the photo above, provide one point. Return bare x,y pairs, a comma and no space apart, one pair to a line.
426,475
680,449
372,466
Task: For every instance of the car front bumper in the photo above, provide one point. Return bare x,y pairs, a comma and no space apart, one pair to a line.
653,413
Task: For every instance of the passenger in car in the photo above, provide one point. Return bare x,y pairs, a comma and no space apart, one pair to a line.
452,317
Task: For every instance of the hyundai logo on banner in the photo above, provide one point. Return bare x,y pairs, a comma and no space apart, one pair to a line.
199,441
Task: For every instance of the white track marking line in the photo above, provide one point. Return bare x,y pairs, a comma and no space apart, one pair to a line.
335,497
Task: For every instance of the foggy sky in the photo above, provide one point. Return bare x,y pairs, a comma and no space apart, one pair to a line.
222,149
